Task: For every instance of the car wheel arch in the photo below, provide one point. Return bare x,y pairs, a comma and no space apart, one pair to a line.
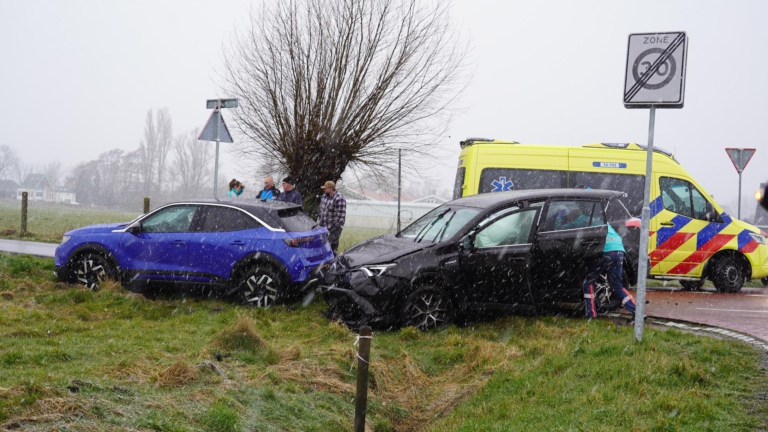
97,249
254,259
93,247
711,264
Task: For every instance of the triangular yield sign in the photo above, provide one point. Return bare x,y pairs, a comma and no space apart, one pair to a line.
212,130
740,157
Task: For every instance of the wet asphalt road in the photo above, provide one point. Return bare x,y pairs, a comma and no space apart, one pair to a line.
744,312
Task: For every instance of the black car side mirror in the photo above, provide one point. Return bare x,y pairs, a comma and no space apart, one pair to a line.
712,215
467,242
134,229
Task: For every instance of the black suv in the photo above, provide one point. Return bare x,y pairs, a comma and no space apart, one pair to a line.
503,252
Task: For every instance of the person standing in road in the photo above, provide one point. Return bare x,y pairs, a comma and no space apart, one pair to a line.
290,194
611,262
235,188
332,213
270,192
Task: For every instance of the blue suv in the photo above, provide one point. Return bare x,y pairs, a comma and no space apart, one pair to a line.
264,252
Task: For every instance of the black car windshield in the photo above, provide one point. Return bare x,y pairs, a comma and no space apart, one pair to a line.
439,224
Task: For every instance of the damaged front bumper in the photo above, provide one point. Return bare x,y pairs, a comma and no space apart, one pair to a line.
354,310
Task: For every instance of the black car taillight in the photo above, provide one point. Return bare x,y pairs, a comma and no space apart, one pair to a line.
297,242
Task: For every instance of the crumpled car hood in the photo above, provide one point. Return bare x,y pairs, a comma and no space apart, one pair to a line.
379,250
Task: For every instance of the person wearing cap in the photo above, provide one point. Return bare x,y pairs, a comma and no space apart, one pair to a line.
270,192
290,194
332,213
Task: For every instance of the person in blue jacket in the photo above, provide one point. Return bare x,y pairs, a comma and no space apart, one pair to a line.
270,192
611,262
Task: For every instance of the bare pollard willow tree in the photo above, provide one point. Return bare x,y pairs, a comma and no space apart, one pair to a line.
326,85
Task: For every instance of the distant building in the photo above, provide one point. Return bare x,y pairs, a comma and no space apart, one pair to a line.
8,188
38,188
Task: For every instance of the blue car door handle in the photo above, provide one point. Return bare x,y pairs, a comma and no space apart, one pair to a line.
237,243
179,242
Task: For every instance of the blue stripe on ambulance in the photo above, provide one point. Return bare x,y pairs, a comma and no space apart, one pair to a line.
664,233
710,231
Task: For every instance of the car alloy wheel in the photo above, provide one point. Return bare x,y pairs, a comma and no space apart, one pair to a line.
605,299
261,287
428,308
91,270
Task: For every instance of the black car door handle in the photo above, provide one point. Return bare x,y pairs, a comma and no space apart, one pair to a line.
237,243
667,223
179,242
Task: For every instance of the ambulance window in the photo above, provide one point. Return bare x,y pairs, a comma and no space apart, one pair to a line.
632,185
458,183
699,204
506,179
681,197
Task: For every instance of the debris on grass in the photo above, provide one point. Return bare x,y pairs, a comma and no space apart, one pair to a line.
293,352
209,365
242,337
177,374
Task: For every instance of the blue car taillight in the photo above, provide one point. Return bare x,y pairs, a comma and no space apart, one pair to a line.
298,242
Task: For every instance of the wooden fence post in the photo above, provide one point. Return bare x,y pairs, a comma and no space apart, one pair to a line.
146,205
361,398
24,199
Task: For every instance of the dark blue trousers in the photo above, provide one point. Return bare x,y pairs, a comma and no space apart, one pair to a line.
612,263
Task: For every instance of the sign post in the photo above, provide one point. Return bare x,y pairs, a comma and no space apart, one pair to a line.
654,78
213,131
740,158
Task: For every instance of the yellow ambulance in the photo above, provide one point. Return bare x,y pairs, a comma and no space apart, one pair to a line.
692,239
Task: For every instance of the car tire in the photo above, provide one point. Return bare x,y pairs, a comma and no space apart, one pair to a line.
728,275
427,308
261,286
692,285
764,281
605,299
91,268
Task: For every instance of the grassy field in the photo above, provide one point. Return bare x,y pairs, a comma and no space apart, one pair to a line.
71,359
47,223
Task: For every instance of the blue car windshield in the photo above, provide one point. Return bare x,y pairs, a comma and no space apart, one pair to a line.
439,224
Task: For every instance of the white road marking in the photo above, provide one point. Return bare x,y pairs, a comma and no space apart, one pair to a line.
757,295
734,310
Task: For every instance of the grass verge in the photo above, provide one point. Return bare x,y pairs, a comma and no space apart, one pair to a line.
114,360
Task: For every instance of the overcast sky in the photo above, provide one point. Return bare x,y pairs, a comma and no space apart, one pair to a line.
79,76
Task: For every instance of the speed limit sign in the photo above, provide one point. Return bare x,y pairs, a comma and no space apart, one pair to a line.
655,73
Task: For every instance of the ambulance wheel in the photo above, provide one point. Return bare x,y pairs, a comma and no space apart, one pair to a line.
692,285
728,275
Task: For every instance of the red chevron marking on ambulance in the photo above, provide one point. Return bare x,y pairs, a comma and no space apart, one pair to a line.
665,249
707,250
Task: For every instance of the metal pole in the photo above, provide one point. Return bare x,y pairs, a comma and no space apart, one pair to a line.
218,140
739,212
645,225
361,398
399,168
146,205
